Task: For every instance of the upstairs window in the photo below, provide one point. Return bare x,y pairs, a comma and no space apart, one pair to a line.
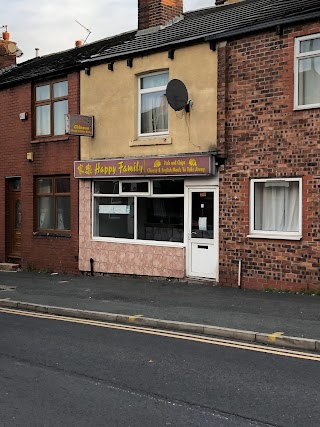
51,105
307,72
153,105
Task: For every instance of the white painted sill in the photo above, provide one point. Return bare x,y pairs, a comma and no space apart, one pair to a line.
275,236
139,242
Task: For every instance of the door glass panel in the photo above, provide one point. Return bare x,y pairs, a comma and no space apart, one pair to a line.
18,214
202,215
16,184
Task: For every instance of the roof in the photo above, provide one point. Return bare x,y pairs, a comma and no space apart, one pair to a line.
60,62
215,23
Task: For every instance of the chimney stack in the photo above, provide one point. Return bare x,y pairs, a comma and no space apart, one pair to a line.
7,49
152,13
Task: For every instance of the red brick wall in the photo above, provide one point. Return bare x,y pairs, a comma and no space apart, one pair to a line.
50,158
263,137
6,59
152,13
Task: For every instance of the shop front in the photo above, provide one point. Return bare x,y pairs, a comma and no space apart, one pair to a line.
155,216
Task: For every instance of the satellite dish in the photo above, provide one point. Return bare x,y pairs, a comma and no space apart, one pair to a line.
18,53
177,94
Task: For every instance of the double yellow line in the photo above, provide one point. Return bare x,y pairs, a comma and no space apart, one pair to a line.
170,334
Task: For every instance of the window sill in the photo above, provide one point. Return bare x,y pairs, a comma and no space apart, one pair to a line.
139,242
275,236
306,107
147,140
51,139
51,234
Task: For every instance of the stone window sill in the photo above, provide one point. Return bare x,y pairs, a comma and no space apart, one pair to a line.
51,139
140,142
51,234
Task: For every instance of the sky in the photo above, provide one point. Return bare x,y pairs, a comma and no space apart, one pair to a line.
51,25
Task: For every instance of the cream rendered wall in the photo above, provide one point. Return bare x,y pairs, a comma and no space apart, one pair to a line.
112,98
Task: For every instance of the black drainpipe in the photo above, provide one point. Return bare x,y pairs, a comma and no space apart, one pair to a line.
91,265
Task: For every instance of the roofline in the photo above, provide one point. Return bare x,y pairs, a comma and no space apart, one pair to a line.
264,26
17,81
205,37
136,52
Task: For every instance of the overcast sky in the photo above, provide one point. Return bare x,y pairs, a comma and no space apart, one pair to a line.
51,27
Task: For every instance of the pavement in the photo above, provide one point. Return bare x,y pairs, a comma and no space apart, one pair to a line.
280,319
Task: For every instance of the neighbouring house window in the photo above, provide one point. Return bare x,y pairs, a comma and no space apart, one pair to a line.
307,72
139,210
51,105
53,195
276,207
153,104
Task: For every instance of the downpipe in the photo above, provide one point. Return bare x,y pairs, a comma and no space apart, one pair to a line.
91,266
239,273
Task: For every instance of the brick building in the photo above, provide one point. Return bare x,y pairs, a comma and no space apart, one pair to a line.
39,222
269,133
252,69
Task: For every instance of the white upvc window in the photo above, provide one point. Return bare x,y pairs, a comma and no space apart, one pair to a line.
276,208
153,104
307,72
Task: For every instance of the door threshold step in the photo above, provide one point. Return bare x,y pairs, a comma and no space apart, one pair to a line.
9,266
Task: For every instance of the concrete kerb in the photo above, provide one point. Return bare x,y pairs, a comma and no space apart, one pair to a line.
280,341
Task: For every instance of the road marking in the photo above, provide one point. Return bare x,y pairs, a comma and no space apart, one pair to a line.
133,318
274,336
170,334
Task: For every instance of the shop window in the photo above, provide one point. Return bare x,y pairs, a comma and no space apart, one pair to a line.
51,105
153,104
276,207
307,72
53,196
148,214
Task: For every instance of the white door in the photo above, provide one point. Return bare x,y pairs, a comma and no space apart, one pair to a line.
202,239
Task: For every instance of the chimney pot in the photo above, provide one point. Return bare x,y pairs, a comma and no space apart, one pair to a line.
6,35
78,43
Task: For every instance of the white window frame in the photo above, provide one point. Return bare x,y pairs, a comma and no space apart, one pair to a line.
150,90
299,56
135,196
134,193
286,235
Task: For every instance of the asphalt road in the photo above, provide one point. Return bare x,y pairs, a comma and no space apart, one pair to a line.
57,373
